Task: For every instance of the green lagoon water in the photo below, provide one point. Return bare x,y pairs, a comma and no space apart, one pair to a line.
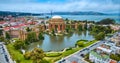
58,43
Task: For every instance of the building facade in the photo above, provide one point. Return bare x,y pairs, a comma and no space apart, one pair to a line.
57,24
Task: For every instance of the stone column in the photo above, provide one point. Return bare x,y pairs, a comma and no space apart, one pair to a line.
59,28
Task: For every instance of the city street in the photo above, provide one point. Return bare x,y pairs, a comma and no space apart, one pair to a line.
4,55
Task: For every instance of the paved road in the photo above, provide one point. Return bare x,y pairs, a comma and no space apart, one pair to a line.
4,55
78,56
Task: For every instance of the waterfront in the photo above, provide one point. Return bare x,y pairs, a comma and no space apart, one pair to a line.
58,43
95,18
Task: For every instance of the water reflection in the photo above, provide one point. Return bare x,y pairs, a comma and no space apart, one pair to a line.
57,43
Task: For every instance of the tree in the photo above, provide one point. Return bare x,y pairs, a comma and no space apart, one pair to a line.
108,30
18,44
40,36
66,19
115,57
28,29
97,29
68,28
27,55
100,36
80,43
31,37
0,32
37,55
80,28
107,21
7,36
85,26
90,27
53,32
2,38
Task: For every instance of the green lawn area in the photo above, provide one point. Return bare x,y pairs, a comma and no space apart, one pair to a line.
53,54
66,53
90,43
17,55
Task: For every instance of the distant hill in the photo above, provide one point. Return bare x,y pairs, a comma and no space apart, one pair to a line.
78,13
4,13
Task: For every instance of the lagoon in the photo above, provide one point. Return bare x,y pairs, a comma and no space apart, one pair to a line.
58,43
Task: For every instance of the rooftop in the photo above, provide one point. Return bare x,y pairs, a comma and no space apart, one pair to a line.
99,56
105,50
56,17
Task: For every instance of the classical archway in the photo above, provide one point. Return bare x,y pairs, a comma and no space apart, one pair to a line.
57,23
56,28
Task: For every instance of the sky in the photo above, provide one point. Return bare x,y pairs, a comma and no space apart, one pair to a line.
39,6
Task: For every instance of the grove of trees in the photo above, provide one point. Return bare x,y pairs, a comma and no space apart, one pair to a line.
100,36
106,21
36,55
32,37
7,35
19,44
100,32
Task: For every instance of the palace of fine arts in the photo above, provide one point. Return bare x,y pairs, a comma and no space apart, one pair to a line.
59,31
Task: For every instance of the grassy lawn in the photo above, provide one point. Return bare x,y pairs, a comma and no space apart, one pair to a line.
66,53
17,55
53,54
90,43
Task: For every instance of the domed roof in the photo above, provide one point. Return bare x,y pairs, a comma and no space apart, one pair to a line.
56,17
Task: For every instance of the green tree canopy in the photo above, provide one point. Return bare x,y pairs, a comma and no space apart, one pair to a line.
100,36
40,36
107,21
36,55
1,32
85,26
18,44
2,38
31,37
80,27
68,28
28,29
7,35
80,43
115,57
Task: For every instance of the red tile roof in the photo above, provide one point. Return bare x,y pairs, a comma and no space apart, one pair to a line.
74,62
16,26
113,61
2,22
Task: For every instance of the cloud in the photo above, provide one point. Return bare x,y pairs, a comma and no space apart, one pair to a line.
69,5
